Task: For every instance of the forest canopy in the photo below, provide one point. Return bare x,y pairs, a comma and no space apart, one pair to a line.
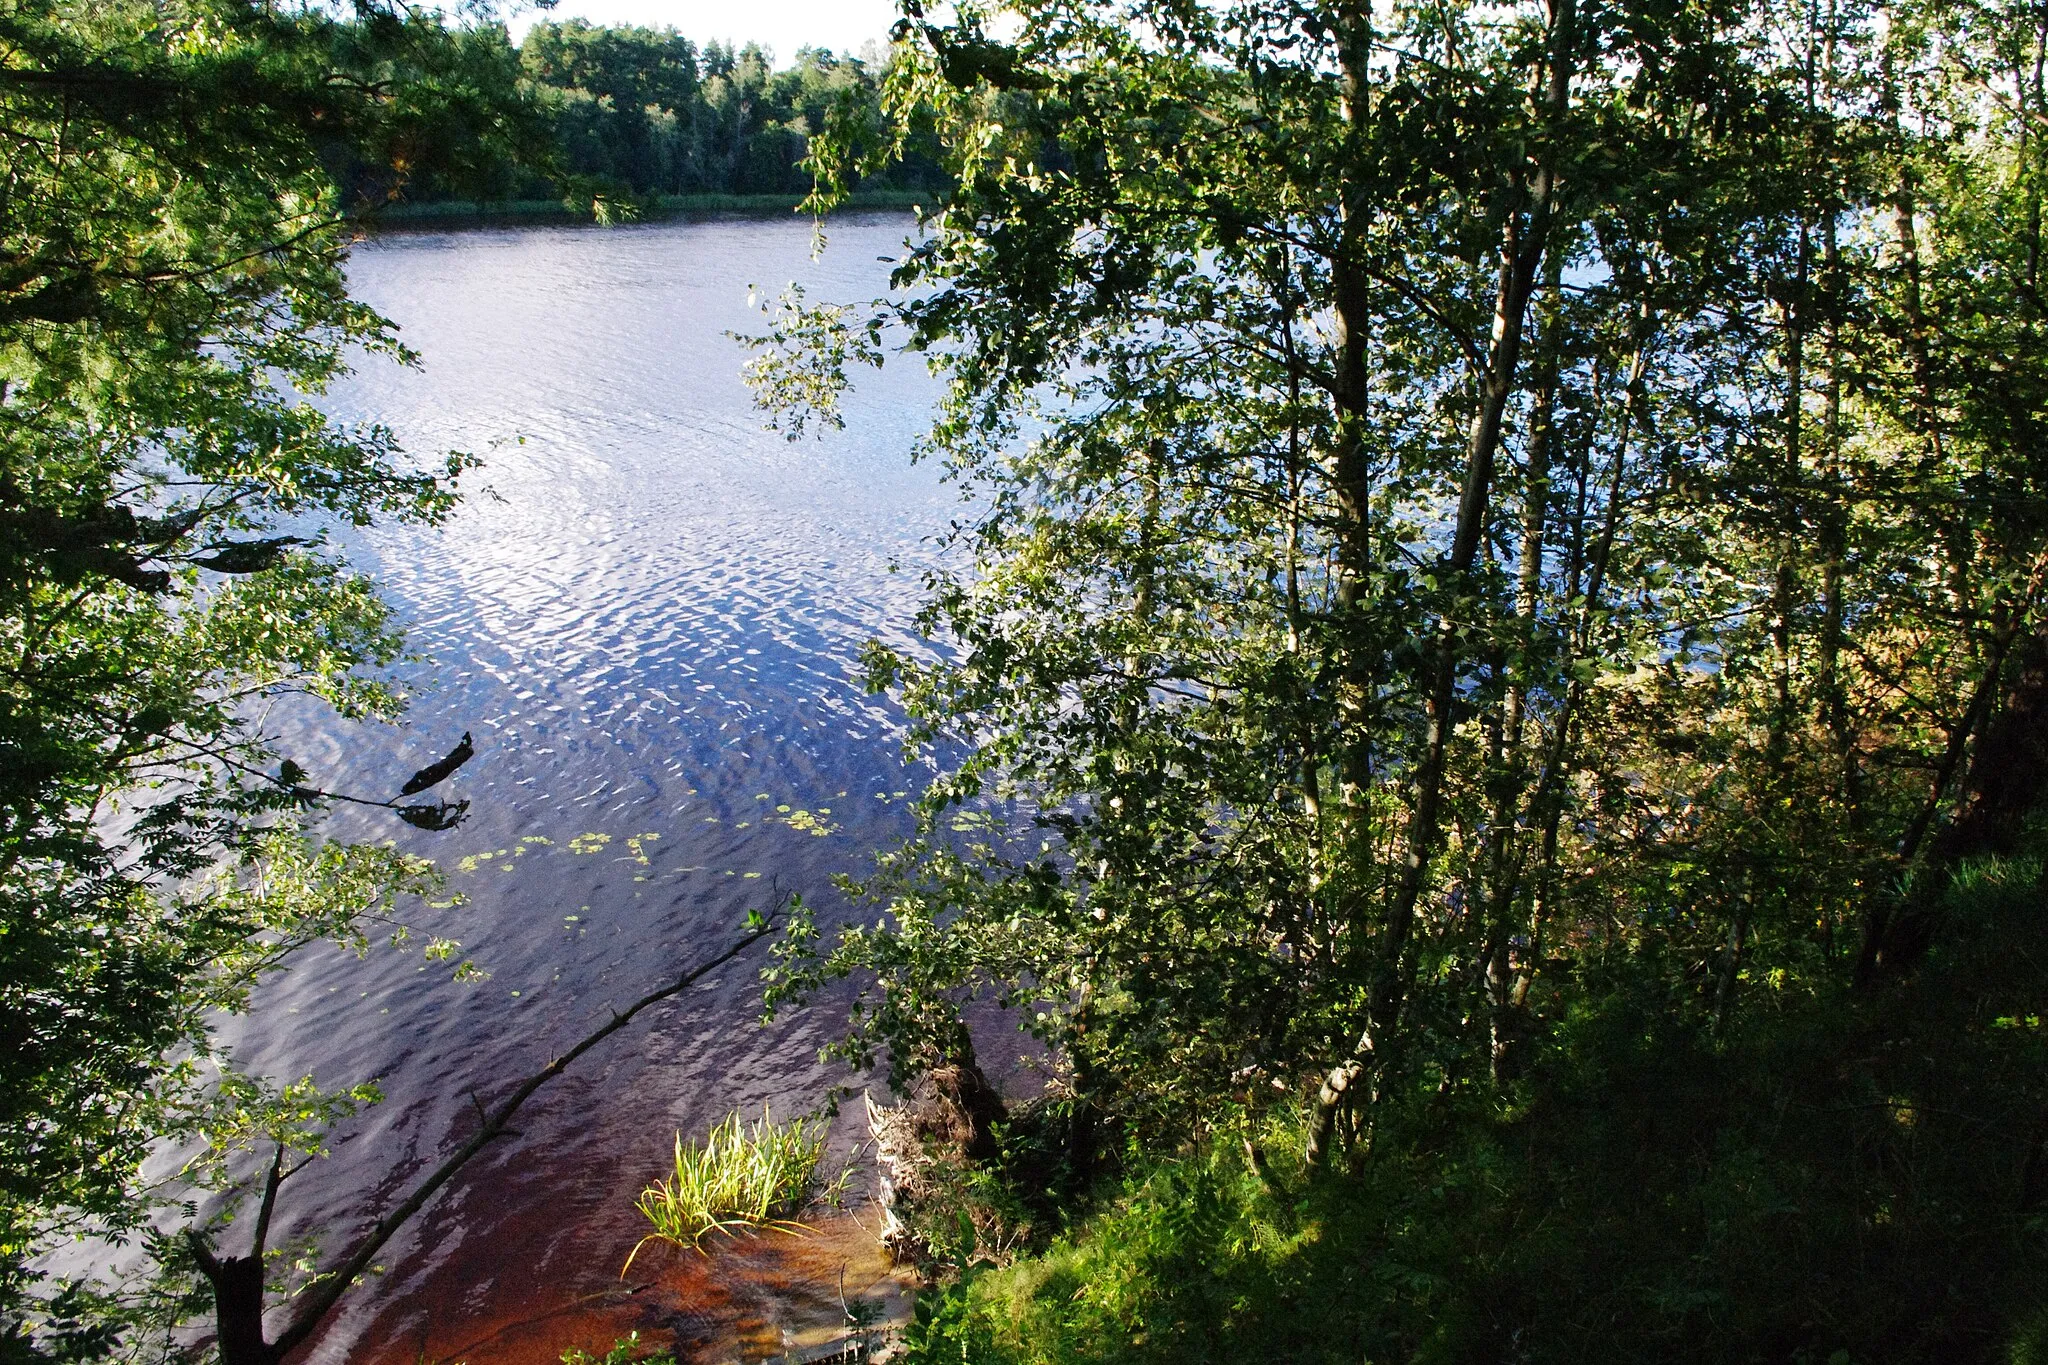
642,113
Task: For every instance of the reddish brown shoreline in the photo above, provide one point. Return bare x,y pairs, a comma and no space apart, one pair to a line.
750,1298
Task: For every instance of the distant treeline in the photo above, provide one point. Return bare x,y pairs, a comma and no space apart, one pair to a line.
642,112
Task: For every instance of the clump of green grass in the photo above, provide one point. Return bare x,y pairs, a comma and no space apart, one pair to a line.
743,1176
624,1351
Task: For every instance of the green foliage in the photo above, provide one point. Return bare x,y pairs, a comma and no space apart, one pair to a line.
742,1177
1426,521
800,377
637,115
180,183
1836,1183
624,1351
1502,572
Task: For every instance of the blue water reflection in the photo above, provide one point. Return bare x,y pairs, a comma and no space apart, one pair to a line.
648,614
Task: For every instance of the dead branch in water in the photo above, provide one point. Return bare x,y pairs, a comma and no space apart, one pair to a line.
237,1281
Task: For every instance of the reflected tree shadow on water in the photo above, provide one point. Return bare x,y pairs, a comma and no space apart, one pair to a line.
441,815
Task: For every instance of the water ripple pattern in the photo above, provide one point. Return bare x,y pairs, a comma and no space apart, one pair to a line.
649,614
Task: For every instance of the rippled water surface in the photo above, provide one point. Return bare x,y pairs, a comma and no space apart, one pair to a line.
648,614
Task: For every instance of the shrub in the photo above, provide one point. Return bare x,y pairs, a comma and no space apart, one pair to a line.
1838,1177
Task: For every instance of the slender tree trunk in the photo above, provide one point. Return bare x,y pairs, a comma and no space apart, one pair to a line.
1350,282
1312,753
1731,955
1505,892
1905,213
1776,806
1587,579
1525,235
1547,803
1350,287
1831,687
1523,240
1832,690
2027,79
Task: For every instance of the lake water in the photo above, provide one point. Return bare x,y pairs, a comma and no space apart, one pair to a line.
649,615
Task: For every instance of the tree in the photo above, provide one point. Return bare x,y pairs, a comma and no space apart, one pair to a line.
624,98
173,234
644,111
1461,490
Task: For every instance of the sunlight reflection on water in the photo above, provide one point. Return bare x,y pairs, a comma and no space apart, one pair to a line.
649,614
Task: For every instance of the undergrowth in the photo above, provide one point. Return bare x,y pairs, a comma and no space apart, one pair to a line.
1840,1180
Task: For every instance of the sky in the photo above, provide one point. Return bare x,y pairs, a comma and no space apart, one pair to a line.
782,26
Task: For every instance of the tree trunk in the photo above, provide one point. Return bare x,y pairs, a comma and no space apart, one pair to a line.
237,1283
1791,508
1504,877
1524,237
238,1311
1352,483
1522,245
2007,781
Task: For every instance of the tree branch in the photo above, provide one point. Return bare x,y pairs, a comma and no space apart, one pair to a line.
319,1300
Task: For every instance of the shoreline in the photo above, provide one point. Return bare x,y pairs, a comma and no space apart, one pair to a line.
760,1295
449,213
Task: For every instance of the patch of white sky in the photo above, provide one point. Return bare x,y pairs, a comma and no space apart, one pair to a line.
780,26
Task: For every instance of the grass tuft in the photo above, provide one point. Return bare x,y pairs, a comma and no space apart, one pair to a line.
624,1351
744,1176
